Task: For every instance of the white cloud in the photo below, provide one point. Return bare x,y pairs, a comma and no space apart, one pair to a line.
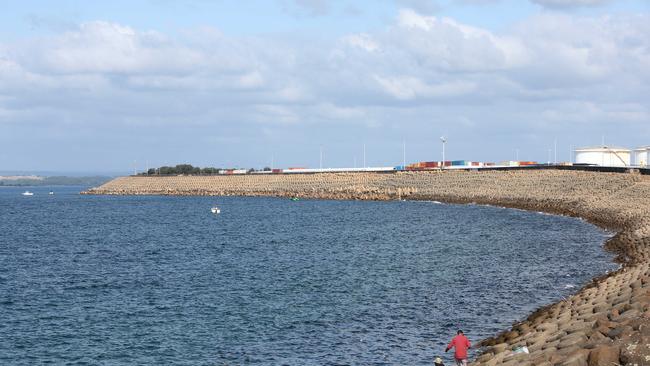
307,7
275,114
588,112
421,6
478,2
408,88
251,80
570,3
550,68
363,41
108,47
446,44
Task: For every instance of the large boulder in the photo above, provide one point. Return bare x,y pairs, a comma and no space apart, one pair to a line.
636,352
604,355
577,358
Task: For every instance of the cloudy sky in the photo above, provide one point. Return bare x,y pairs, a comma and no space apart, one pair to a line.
95,86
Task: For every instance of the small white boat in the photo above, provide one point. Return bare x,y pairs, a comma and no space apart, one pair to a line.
51,193
27,193
215,210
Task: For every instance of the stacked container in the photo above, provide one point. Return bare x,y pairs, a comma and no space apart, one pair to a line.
527,163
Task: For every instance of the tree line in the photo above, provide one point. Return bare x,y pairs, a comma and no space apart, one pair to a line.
187,169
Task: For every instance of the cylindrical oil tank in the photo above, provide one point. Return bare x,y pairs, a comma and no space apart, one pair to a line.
603,156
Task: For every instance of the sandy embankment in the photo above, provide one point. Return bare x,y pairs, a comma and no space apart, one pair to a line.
605,323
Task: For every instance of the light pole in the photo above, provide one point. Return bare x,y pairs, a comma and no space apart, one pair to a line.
444,142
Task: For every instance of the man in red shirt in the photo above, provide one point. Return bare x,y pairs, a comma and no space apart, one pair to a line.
461,343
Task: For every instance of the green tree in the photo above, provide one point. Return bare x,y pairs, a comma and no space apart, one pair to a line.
184,169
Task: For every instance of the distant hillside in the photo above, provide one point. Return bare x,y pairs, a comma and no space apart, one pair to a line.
52,181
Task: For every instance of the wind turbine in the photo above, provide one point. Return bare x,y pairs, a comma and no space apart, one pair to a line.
444,141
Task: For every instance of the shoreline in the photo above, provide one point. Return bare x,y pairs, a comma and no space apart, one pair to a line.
606,321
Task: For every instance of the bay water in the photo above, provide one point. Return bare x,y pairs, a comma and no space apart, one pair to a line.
151,280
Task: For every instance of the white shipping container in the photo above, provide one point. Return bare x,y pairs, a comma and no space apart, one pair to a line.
509,163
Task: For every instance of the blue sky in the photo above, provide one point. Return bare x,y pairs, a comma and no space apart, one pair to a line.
95,86
31,17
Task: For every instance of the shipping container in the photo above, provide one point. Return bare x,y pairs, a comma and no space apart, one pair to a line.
509,163
276,171
458,163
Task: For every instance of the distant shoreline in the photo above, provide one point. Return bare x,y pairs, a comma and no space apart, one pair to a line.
39,181
607,313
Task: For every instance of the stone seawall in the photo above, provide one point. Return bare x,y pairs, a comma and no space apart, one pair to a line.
605,323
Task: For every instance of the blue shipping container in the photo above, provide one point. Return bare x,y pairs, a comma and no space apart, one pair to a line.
458,162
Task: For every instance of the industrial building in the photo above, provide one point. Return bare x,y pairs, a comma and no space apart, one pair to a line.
603,156
641,156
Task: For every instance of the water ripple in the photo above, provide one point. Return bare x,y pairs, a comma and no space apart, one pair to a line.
160,280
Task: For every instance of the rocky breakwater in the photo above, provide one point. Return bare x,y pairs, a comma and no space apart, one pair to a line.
605,323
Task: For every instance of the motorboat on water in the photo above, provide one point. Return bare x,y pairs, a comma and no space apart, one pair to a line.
215,210
27,193
51,193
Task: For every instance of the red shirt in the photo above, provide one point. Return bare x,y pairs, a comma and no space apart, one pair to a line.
462,344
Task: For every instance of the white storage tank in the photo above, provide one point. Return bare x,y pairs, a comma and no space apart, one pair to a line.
603,156
641,156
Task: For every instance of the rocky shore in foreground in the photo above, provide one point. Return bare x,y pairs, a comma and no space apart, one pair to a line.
605,323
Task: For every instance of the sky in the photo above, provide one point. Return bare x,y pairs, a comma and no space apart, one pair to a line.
123,85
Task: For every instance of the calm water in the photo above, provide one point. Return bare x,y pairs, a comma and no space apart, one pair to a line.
161,281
